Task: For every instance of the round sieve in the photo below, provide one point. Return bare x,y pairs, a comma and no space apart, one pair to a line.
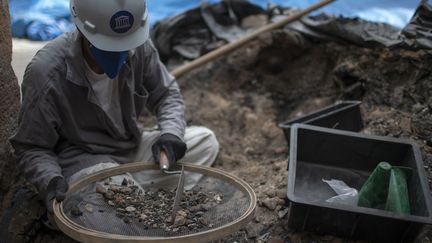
235,206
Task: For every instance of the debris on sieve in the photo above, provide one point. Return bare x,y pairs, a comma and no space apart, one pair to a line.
153,208
89,208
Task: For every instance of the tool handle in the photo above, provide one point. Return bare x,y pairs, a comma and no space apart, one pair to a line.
163,161
228,48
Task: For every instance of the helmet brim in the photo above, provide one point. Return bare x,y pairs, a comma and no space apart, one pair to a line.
116,43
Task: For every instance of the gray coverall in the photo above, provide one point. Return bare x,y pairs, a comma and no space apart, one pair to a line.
63,129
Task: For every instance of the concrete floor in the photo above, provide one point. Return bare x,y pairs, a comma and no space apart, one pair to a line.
22,52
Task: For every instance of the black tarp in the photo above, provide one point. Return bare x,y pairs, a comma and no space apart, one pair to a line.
202,29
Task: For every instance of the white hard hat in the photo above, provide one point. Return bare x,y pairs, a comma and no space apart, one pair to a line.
112,25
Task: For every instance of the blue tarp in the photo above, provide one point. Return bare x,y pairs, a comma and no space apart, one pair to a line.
39,19
46,19
394,12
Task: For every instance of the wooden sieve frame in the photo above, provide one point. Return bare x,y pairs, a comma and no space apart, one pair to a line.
83,234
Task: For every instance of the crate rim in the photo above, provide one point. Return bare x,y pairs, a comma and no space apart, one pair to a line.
355,209
349,104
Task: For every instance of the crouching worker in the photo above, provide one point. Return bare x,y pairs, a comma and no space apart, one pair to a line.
84,92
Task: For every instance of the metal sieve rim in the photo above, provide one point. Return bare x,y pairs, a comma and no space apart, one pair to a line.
84,234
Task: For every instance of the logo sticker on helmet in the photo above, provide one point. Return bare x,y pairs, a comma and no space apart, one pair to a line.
122,22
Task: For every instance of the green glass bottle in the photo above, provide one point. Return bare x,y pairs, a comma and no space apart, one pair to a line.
374,192
398,200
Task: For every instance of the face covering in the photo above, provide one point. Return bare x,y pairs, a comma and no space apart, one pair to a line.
110,62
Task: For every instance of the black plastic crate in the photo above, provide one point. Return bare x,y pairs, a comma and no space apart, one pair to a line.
318,153
344,115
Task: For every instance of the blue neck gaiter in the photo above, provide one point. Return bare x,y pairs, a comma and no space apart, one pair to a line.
110,62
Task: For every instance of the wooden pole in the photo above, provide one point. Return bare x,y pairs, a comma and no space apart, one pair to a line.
178,72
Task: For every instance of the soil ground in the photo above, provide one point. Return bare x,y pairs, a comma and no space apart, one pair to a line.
244,96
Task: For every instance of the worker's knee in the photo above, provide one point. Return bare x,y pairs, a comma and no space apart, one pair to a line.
212,144
202,141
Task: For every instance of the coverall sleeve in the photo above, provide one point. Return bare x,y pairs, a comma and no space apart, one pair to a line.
165,99
37,136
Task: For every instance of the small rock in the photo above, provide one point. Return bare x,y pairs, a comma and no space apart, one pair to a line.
143,216
192,225
102,190
416,108
124,182
119,201
121,210
114,189
126,190
109,195
89,208
218,198
270,203
130,209
181,213
283,213
111,203
179,220
203,221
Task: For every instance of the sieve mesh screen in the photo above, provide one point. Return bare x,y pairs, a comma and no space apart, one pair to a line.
95,212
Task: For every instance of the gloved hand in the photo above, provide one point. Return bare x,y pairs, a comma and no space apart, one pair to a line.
57,188
173,146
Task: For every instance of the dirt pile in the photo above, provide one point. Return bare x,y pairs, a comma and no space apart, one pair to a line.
282,75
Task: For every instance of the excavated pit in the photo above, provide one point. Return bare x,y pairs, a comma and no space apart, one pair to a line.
243,97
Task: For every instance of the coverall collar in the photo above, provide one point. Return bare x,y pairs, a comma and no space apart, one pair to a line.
75,60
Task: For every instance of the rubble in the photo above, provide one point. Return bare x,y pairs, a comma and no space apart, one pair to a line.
153,208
